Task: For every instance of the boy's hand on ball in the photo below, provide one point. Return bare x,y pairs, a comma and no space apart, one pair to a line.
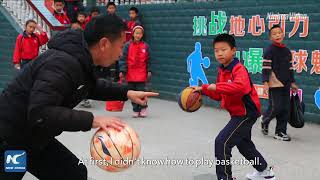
197,89
212,87
140,97
108,122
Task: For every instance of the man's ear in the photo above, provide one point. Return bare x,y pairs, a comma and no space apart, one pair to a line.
104,43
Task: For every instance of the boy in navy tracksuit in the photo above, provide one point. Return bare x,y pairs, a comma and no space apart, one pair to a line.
277,76
237,95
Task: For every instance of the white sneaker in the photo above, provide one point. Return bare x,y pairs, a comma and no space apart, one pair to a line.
267,174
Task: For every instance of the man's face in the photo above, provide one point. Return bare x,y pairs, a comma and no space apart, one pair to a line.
30,27
111,9
224,53
112,51
276,35
94,14
132,15
81,18
58,6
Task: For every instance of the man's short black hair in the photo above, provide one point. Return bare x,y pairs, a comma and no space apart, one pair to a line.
109,26
81,13
225,38
111,4
134,9
95,9
56,1
274,27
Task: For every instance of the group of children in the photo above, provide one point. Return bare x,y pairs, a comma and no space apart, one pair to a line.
135,64
233,86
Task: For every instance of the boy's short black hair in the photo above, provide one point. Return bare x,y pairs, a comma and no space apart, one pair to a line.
274,27
134,9
56,1
94,9
76,22
225,38
81,13
30,21
109,26
111,4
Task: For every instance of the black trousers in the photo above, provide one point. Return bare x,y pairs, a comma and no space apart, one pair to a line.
53,162
279,108
137,86
236,133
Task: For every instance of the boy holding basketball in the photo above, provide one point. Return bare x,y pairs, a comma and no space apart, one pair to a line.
237,95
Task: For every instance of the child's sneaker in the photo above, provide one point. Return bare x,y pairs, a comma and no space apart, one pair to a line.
267,174
282,136
264,128
144,113
136,114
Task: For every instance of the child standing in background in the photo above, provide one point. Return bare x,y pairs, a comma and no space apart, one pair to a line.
136,67
28,43
81,18
58,13
134,21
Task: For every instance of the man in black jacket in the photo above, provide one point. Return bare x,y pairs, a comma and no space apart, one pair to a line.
38,104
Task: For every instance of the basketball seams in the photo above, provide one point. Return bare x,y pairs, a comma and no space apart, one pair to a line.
131,143
115,146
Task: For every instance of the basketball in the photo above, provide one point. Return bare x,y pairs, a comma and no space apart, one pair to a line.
189,101
115,151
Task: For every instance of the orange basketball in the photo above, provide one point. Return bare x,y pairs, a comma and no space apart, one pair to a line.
189,101
115,151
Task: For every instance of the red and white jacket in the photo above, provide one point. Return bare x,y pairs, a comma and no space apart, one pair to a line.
135,62
27,46
235,91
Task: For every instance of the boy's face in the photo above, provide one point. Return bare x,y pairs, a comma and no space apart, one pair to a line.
132,14
276,35
138,34
224,53
31,27
58,6
111,9
81,18
94,14
75,26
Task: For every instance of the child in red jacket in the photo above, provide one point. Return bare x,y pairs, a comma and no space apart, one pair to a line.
95,11
58,13
134,21
81,18
238,96
28,43
135,65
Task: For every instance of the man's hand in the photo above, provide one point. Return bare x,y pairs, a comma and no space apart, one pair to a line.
265,88
140,97
212,87
17,66
294,87
107,122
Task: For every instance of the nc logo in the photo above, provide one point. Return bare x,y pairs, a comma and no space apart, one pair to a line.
15,161
317,98
195,65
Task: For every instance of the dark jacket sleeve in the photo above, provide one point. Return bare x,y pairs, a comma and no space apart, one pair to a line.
107,90
266,65
54,81
123,59
292,80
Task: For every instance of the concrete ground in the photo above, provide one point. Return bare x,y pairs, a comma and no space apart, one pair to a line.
169,133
